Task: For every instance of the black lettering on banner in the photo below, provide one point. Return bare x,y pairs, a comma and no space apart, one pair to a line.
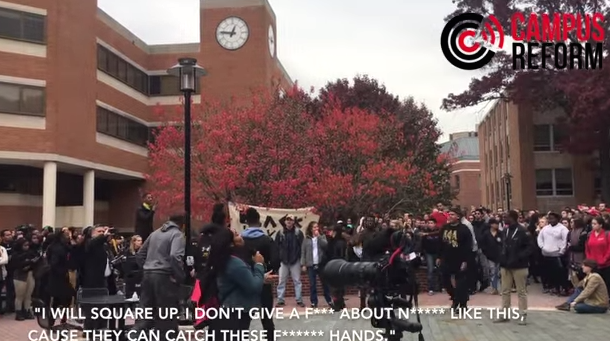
269,221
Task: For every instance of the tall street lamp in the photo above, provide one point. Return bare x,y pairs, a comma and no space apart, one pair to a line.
507,177
188,71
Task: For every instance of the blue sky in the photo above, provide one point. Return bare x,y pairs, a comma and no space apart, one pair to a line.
394,41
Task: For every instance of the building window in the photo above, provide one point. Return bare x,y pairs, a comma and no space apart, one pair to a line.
547,138
23,26
120,69
597,184
166,85
457,181
121,127
22,99
554,182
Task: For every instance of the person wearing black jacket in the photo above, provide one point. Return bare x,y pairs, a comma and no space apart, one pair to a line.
456,250
132,271
145,216
59,287
431,246
514,262
491,246
22,264
337,249
256,240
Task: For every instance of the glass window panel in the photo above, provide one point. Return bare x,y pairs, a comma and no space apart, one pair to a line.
131,77
10,24
32,101
10,95
113,124
123,128
542,138
102,120
112,67
544,182
34,28
102,58
563,181
122,70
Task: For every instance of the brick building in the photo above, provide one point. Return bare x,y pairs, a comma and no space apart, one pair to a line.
522,166
77,92
463,149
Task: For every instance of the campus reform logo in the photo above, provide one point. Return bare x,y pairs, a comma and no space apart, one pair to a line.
560,41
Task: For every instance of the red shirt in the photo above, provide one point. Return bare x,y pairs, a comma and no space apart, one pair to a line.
598,248
440,217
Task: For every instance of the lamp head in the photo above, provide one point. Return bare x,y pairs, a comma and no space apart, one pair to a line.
188,70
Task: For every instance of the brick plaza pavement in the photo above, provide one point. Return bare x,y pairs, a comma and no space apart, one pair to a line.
544,323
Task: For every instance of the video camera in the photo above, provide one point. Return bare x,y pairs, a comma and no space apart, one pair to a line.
390,279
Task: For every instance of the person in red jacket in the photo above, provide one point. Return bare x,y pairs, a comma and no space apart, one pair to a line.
439,215
597,248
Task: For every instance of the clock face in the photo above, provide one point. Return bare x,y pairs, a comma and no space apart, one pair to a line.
232,33
271,41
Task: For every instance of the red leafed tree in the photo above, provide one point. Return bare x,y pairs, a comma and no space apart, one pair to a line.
584,95
280,152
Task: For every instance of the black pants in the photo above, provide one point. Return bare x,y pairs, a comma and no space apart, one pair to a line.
472,272
555,273
10,293
235,323
159,293
267,303
459,293
131,287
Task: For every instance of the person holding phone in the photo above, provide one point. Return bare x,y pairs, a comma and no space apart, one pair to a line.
22,263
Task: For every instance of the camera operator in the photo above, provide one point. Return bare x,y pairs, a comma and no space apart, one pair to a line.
456,251
362,244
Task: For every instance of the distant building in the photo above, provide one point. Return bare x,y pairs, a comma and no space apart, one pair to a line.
522,166
463,148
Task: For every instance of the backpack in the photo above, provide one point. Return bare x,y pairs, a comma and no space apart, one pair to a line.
206,296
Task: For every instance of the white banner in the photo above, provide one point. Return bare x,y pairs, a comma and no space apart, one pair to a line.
271,217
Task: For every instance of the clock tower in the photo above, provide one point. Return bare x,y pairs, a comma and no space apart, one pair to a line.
238,47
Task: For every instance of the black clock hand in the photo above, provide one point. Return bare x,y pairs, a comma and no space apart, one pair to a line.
233,31
225,32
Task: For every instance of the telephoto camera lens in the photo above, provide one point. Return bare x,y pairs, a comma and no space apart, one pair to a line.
341,273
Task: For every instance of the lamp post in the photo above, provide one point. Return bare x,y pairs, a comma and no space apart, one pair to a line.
188,71
507,177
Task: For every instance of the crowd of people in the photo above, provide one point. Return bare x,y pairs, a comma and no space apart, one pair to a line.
466,252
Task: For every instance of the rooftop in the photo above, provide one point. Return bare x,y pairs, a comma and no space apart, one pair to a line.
462,148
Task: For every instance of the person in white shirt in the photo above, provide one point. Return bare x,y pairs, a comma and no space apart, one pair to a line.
313,257
553,242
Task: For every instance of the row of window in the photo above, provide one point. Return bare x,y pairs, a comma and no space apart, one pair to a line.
22,99
121,127
551,182
158,85
17,25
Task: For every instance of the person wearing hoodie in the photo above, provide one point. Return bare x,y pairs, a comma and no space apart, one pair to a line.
491,246
257,240
553,241
162,261
514,264
597,248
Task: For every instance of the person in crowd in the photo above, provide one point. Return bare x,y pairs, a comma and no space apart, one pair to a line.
578,239
256,240
239,285
289,241
439,215
597,248
536,256
3,272
96,270
313,258
337,249
7,242
162,258
514,258
553,242
22,263
36,242
431,246
591,294
132,272
58,286
145,216
456,250
491,247
474,271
